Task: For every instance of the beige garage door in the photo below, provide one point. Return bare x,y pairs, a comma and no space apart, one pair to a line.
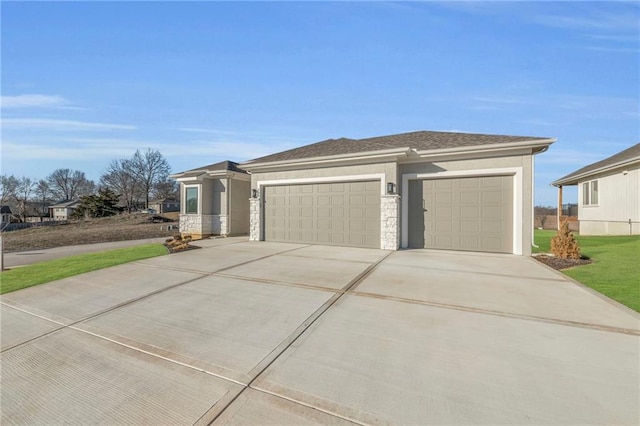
474,214
341,213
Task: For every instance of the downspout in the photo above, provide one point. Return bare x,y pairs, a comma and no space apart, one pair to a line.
533,201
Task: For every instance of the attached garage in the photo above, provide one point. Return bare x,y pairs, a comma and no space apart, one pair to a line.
469,213
333,213
436,190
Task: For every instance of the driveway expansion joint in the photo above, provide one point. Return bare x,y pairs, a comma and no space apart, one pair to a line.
500,313
293,337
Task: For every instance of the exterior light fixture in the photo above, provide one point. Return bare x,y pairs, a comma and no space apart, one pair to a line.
391,188
255,193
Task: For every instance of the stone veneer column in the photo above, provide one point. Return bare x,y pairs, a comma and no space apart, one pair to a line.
254,219
390,222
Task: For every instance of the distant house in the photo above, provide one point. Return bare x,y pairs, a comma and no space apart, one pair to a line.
165,205
5,214
63,210
608,194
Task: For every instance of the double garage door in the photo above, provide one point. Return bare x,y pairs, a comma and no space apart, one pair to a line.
474,214
337,213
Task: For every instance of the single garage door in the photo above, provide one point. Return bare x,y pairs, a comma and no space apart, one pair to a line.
474,213
340,213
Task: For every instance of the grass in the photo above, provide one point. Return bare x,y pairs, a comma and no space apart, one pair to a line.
27,276
615,271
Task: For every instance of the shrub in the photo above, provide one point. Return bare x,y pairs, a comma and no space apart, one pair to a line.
564,244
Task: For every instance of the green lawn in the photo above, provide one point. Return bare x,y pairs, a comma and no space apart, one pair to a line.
27,276
615,271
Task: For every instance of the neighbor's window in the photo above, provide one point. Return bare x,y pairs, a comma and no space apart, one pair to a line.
590,193
191,200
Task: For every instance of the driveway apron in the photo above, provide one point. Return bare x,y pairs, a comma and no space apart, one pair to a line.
242,332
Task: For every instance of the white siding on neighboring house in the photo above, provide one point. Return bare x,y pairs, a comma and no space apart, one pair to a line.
618,202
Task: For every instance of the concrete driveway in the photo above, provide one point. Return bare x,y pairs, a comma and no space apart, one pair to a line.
260,333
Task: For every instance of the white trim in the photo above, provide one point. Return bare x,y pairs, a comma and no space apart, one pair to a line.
517,174
327,179
183,209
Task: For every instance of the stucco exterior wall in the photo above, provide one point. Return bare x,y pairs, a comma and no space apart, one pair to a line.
618,208
388,169
240,191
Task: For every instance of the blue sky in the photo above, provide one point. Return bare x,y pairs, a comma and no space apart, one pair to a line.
86,82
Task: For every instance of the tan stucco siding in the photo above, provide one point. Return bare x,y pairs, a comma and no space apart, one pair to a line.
240,192
388,169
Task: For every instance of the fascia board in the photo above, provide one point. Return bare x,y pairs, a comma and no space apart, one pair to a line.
541,143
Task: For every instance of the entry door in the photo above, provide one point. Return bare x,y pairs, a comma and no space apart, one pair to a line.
473,214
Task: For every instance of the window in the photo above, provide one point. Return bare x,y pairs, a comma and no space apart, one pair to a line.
590,193
191,200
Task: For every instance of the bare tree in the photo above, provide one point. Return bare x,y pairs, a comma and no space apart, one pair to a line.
167,188
70,184
23,194
42,193
8,186
150,167
121,178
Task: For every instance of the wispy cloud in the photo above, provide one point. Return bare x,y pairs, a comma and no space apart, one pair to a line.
36,101
624,19
61,125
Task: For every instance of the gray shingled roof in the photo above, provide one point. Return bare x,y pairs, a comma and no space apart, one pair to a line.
621,158
222,166
421,141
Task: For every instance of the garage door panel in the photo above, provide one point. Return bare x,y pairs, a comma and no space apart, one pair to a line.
340,213
474,213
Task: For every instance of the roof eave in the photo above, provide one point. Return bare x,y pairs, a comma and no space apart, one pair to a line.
572,179
536,146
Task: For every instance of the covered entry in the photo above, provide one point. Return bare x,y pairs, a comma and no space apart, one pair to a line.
467,213
336,213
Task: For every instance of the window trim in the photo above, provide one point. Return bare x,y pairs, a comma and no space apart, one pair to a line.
590,191
198,198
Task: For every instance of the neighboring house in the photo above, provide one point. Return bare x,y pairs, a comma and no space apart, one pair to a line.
438,190
165,205
214,200
608,194
63,210
5,214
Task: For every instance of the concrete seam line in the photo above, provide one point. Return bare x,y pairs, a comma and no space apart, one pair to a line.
157,356
257,259
34,314
332,414
130,301
293,337
274,282
568,323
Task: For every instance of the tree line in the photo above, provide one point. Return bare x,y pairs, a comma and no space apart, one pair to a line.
128,184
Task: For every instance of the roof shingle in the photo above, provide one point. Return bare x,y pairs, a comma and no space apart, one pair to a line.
421,141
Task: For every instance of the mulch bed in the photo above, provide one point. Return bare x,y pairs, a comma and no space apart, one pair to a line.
560,264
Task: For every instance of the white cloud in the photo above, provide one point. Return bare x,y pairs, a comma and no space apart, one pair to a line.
61,125
29,101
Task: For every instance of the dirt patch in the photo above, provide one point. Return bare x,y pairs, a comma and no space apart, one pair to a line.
560,264
116,228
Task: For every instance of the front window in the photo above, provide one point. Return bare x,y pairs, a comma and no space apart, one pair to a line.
590,193
191,200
